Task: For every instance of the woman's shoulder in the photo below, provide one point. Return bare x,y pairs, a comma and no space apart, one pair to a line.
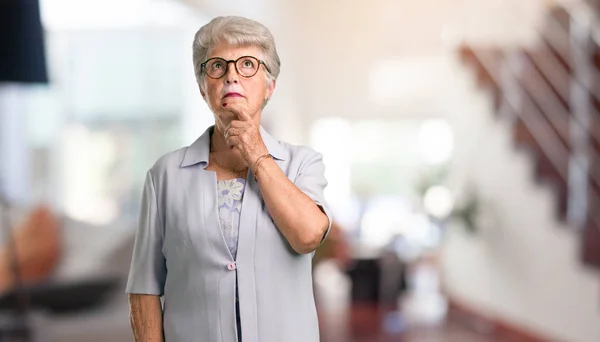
301,154
283,150
168,161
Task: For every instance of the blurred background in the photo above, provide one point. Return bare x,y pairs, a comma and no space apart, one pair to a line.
461,140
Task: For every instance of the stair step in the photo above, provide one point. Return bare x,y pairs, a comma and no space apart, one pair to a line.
590,241
545,172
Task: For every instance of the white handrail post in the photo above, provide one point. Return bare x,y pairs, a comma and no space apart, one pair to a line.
579,125
511,64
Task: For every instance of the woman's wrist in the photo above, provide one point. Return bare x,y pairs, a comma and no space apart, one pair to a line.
256,168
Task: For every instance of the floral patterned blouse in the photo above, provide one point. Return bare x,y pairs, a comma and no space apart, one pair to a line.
230,194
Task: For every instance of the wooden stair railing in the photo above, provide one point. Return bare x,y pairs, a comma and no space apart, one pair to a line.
551,94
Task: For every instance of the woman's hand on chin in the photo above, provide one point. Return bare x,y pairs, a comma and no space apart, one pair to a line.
243,134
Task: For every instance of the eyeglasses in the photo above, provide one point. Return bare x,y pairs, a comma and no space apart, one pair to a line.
246,66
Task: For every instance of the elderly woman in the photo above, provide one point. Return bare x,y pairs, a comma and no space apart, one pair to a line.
229,224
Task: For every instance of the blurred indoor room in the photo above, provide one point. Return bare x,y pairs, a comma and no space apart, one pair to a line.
461,140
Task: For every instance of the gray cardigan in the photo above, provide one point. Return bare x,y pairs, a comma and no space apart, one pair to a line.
180,252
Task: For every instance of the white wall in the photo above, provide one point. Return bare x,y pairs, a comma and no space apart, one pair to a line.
523,266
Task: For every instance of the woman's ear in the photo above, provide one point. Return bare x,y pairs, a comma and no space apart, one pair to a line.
202,89
271,88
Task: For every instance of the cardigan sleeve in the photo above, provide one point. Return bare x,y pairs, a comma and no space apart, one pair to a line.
311,180
148,270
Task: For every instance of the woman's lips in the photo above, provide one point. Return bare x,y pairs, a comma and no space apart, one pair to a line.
232,94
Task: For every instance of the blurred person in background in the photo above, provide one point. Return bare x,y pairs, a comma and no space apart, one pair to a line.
336,248
330,262
229,224
37,245
31,251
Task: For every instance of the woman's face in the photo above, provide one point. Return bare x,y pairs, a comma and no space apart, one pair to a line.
231,93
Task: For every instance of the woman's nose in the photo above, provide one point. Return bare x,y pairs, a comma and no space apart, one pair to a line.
231,76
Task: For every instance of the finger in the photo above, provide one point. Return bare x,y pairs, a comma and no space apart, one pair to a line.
242,115
233,131
237,124
233,141
233,128
238,147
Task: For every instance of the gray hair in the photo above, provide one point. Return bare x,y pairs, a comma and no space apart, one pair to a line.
235,31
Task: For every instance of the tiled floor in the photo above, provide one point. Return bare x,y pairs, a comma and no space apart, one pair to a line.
423,317
364,327
447,333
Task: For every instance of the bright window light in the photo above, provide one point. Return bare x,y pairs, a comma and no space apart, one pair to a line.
397,80
438,201
94,14
436,141
331,137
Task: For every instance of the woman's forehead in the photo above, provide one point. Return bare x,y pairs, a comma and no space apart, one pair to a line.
230,52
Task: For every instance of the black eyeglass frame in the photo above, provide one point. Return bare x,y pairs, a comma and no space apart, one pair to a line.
260,61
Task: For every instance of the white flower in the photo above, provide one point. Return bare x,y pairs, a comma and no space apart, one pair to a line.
229,191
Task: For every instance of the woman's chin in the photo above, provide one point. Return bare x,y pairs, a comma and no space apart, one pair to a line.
236,102
226,115
223,118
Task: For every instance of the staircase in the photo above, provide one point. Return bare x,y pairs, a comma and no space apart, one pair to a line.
550,95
